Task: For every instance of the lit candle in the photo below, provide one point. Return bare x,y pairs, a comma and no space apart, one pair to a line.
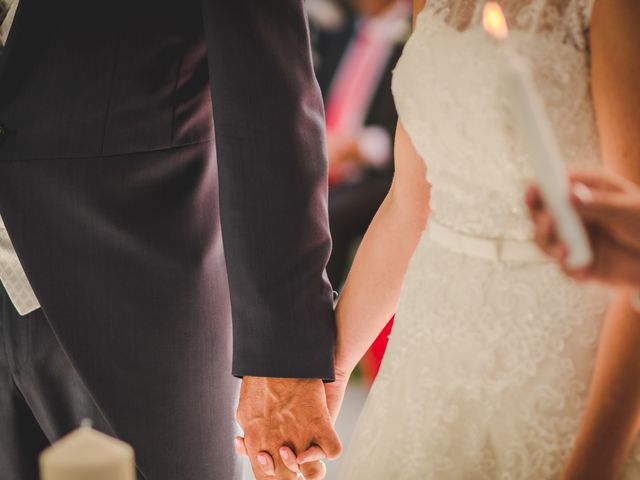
539,140
86,454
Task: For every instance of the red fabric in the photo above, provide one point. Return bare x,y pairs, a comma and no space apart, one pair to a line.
373,358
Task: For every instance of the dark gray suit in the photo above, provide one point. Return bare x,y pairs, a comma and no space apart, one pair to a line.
123,208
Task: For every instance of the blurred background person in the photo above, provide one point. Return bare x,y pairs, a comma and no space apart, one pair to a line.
356,45
325,16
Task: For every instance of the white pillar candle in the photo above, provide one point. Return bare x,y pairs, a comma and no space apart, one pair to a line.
86,454
539,140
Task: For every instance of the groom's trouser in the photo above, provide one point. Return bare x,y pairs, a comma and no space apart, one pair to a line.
41,396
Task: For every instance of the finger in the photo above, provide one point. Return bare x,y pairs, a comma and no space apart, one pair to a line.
600,180
554,247
559,252
581,275
312,454
289,459
545,235
266,463
547,227
600,207
581,192
533,199
329,442
313,470
240,447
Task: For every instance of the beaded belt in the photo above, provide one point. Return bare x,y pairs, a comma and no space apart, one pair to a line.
497,249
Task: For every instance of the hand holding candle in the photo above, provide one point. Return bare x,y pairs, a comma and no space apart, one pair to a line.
540,141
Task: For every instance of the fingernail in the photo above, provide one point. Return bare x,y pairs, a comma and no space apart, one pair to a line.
262,460
284,453
582,192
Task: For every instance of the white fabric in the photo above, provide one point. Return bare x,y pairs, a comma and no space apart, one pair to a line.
13,277
12,274
496,249
489,362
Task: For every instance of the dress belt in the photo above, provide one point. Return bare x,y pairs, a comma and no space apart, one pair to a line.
497,249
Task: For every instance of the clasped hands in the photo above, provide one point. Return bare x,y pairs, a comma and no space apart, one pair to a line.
288,425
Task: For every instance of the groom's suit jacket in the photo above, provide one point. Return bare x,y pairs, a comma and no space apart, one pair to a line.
142,236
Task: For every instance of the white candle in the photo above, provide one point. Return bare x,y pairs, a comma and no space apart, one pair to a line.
540,142
86,454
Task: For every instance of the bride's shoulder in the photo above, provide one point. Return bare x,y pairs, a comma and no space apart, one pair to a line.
418,6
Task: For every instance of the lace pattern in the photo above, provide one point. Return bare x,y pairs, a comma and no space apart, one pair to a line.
449,98
485,376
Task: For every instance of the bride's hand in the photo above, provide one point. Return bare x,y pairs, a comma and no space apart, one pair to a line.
335,391
312,470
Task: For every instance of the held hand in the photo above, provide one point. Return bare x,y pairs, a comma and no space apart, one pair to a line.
293,412
335,392
312,470
309,459
610,207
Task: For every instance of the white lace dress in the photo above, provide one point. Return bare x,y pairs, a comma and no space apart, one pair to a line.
489,363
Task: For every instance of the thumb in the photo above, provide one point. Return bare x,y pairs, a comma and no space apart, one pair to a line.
330,444
600,181
598,207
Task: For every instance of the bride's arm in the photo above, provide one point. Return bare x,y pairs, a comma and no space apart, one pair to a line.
372,289
371,292
610,422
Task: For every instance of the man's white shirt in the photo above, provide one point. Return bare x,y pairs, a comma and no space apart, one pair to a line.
12,274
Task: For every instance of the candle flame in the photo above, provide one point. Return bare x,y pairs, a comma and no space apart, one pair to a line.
494,21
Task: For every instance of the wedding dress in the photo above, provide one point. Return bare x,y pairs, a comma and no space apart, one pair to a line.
490,360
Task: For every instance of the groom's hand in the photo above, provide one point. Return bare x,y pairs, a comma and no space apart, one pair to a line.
280,411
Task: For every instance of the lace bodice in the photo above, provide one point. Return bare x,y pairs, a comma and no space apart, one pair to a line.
448,94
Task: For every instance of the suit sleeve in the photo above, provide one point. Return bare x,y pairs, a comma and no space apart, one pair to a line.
269,127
